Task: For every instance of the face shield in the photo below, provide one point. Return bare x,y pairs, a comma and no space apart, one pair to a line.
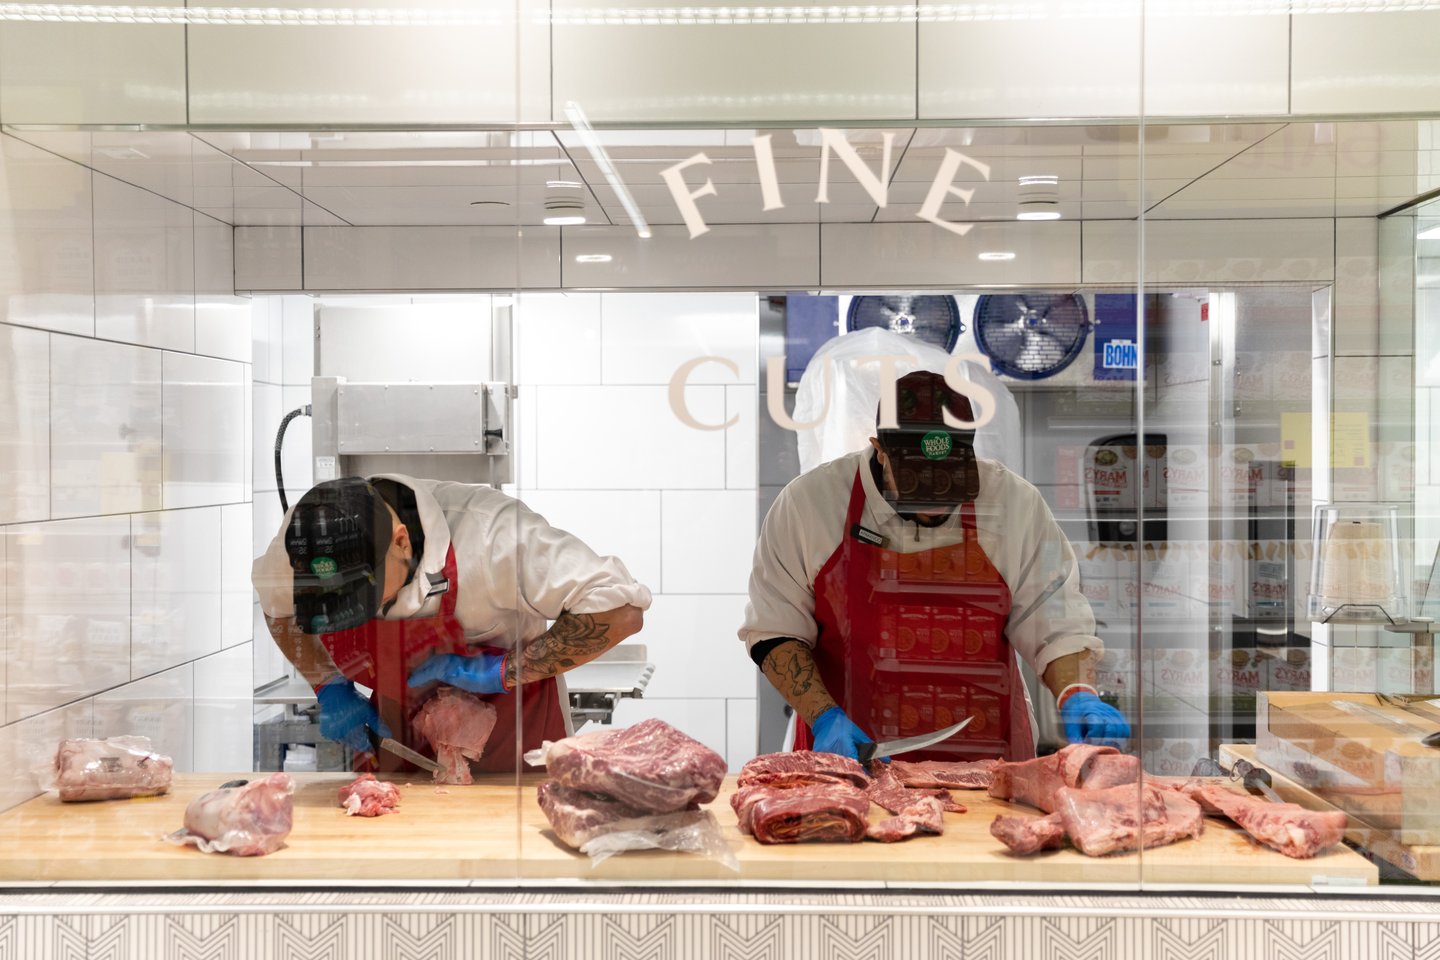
932,469
336,540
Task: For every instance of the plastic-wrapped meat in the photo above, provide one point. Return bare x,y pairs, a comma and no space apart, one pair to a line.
113,769
650,766
578,817
954,775
815,814
1026,835
888,792
458,725
1286,827
368,797
246,821
1127,817
803,764
925,815
1079,765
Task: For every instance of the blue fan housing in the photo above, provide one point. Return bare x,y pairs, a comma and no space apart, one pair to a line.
1031,336
933,319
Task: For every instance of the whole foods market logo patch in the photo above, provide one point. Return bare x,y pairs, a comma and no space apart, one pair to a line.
936,445
324,567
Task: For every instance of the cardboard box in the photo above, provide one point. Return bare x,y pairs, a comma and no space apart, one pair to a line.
1241,476
1269,590
1288,669
1186,476
1111,477
1182,673
1156,497
1358,753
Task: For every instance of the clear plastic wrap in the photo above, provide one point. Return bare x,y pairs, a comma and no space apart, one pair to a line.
117,768
849,417
688,831
249,820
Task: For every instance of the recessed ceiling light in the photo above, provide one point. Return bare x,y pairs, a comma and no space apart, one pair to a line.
1432,233
1038,210
997,255
1039,180
566,221
564,184
594,258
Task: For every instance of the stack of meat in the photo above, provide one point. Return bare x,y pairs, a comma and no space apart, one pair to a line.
113,769
608,780
804,796
368,797
458,725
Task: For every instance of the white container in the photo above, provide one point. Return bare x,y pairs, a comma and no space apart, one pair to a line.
1355,577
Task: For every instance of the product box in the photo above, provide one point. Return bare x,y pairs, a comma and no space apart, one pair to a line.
1228,584
1181,673
1359,753
1117,673
1172,582
1254,376
1103,598
1287,669
1156,497
1186,476
1172,756
1241,476
1111,477
1269,581
1397,471
1237,674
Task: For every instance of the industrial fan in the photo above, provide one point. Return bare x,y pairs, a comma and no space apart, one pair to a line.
1030,336
933,319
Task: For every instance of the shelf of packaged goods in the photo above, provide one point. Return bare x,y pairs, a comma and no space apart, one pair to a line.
491,831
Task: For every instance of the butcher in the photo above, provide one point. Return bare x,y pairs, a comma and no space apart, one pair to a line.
893,588
400,585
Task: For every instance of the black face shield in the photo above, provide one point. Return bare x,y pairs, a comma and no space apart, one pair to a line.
337,539
933,469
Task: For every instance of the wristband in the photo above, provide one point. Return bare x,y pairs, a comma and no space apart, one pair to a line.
1065,693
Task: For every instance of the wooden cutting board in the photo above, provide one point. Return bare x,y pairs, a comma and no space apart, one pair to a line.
488,831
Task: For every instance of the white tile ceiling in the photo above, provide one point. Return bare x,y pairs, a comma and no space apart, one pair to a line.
1187,171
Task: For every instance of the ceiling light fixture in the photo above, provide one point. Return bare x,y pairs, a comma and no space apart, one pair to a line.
1430,233
581,123
997,255
573,221
1039,197
594,258
564,207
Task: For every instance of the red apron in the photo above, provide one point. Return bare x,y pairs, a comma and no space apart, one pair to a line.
911,642
382,653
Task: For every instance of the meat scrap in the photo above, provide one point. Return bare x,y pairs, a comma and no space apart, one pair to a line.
578,817
888,792
1027,835
114,769
814,814
368,797
650,766
245,821
807,765
955,775
925,815
1077,766
1287,827
1127,817
458,725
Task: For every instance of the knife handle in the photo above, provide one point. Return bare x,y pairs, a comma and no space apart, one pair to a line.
865,752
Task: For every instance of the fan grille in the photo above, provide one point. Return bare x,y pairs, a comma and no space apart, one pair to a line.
1031,336
933,319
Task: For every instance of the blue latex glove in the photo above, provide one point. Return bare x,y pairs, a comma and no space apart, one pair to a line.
345,715
1089,719
836,733
482,673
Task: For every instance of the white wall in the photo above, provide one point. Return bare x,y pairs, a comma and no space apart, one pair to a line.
125,513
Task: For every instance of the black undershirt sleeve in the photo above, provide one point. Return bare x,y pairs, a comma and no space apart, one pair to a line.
762,649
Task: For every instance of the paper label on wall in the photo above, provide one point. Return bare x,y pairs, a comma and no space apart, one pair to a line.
1350,440
324,469
1295,439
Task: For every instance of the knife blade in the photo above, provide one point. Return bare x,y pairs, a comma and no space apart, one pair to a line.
403,752
886,748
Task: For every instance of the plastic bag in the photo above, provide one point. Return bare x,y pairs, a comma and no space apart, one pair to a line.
689,831
117,768
249,820
854,395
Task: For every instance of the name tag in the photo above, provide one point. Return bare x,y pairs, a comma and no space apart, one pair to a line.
866,535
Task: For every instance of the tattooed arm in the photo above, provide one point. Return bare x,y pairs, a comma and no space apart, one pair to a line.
790,667
573,639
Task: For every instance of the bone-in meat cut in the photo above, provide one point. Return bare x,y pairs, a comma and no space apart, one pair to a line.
114,769
245,821
458,725
1286,827
811,814
578,817
1026,835
925,815
368,797
1127,817
954,775
1083,766
888,792
650,766
805,765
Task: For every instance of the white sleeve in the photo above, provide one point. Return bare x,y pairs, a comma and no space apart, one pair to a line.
782,591
1049,617
557,572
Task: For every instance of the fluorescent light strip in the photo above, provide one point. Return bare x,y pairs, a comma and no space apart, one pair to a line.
594,258
581,123
996,255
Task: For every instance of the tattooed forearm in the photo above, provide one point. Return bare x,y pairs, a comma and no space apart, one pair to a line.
790,667
573,639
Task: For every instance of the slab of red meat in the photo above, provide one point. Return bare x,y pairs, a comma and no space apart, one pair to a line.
925,815
817,814
743,800
1026,835
113,769
1079,765
246,821
1286,827
956,775
368,797
888,792
1127,817
819,767
650,766
458,725
578,817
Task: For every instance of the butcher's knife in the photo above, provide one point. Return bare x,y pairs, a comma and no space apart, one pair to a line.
403,752
1256,780
888,748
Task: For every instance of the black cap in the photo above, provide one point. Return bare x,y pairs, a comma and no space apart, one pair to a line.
337,539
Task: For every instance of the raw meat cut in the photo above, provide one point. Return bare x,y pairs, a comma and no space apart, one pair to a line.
817,767
246,821
743,800
578,817
1286,827
829,813
1127,817
458,725
368,797
650,766
888,792
113,769
956,775
1025,835
925,815
1079,765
